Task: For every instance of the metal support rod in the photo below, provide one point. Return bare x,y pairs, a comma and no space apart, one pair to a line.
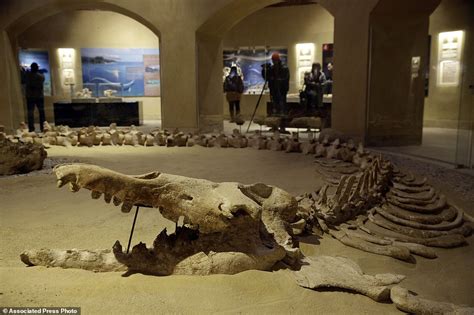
133,227
258,103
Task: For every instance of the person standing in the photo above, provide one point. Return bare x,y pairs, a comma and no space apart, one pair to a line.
233,87
328,74
278,77
314,82
34,96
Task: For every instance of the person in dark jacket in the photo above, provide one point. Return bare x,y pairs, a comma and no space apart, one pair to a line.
328,74
314,82
34,95
278,77
233,87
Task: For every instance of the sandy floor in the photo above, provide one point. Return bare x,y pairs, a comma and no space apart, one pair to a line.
35,214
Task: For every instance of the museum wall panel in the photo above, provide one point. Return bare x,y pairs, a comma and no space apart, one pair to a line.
88,29
449,106
280,27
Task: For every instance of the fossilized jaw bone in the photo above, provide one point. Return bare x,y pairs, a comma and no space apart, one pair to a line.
177,253
207,204
94,260
129,190
186,251
198,200
211,207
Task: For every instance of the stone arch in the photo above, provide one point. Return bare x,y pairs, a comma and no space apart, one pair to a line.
209,55
14,98
37,14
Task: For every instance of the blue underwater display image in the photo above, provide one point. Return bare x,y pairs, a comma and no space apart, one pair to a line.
120,69
41,57
249,62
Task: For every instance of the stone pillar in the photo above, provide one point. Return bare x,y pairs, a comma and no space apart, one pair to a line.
178,80
12,107
399,49
351,55
209,80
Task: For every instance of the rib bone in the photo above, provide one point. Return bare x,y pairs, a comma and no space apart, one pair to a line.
441,226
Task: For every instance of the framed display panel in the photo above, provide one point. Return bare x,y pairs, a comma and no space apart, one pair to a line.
305,56
68,77
249,65
130,71
449,58
66,58
27,56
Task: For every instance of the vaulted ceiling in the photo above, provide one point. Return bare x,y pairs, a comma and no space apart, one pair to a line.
289,3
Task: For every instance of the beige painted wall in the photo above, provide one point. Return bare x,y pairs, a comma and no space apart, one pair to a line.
281,27
86,29
445,105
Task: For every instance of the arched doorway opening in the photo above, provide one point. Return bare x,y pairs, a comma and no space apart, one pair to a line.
303,33
211,38
93,53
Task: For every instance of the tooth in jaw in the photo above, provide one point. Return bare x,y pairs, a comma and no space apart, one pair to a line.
74,187
117,201
126,207
96,194
107,198
64,178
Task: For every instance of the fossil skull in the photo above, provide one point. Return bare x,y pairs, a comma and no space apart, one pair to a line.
228,227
